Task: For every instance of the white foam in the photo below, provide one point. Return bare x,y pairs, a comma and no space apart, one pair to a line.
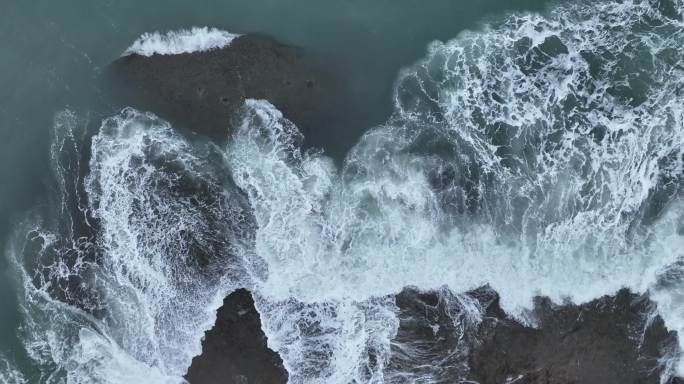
534,199
511,160
163,263
8,373
334,245
196,39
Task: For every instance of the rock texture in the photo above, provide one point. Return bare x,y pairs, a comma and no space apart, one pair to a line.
234,351
608,340
202,91
433,338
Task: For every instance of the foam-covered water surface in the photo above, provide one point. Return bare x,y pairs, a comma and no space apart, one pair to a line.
132,298
542,155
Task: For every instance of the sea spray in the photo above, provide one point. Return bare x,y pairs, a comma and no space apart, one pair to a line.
526,156
191,40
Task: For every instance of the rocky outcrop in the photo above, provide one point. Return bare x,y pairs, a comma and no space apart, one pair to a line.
609,340
235,350
434,334
450,338
201,91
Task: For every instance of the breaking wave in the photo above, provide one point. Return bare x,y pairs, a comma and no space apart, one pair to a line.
543,154
195,39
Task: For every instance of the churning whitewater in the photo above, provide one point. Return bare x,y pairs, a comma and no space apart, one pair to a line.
542,155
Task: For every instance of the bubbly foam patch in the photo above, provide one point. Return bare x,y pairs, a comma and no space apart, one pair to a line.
191,40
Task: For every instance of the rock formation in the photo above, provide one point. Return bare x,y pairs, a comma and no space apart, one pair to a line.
201,91
235,350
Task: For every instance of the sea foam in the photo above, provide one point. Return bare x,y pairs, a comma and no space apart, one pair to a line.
196,39
131,300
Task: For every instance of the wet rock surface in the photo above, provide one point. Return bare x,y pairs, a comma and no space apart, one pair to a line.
614,339
440,339
235,350
202,91
609,340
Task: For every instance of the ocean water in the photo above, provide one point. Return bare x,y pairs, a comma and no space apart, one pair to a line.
535,147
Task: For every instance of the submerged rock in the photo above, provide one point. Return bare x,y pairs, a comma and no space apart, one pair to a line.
235,350
432,342
201,91
467,338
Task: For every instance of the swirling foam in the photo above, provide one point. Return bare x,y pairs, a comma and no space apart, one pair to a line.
132,299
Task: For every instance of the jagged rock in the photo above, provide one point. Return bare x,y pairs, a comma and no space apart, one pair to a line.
431,342
467,338
235,350
608,340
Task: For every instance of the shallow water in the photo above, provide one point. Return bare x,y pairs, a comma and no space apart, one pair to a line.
546,147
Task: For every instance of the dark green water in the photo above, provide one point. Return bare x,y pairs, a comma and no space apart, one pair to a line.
53,54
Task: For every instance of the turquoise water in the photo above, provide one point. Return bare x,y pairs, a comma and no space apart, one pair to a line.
555,137
54,53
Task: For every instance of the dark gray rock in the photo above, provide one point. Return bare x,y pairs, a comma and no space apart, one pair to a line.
235,350
202,91
608,340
